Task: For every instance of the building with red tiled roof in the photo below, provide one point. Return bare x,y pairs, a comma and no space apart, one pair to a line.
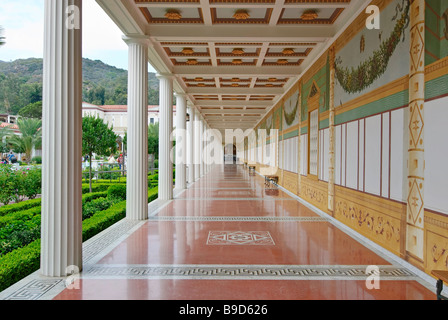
116,115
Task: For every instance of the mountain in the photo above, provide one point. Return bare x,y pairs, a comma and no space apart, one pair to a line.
21,84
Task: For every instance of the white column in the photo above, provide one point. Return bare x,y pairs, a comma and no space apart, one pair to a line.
201,145
181,141
190,146
165,130
197,155
61,226
137,153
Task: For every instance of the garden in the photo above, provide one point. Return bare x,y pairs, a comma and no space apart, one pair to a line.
20,216
103,192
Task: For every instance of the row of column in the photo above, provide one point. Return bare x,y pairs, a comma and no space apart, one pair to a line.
61,241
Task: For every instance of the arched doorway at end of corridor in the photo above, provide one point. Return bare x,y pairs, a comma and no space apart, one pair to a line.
230,154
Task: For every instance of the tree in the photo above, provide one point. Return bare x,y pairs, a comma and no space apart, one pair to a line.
30,137
153,139
97,138
33,110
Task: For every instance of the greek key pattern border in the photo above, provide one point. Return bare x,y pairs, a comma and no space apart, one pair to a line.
238,218
244,272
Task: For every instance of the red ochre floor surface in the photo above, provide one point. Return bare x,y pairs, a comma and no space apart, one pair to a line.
227,237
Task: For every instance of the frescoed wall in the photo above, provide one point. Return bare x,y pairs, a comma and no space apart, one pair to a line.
290,114
436,32
372,132
374,57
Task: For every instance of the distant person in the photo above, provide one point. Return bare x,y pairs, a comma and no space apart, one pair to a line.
12,158
120,161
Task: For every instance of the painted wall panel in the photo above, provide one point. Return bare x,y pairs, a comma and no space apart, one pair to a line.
373,155
280,154
398,155
337,154
343,154
291,154
325,150
352,155
385,156
361,158
304,153
436,155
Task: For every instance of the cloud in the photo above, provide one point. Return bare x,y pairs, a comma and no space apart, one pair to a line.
23,25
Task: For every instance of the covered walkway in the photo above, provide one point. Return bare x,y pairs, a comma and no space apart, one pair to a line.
228,237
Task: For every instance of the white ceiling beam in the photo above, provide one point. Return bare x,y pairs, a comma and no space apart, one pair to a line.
241,33
322,5
263,51
235,90
232,111
233,103
232,71
276,12
206,15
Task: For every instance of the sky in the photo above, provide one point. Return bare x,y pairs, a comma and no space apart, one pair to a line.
23,24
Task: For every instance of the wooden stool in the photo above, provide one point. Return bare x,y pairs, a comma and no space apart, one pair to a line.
251,170
269,180
442,276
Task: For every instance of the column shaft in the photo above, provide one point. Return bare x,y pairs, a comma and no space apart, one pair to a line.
181,142
201,146
165,143
190,146
137,153
197,156
61,240
416,149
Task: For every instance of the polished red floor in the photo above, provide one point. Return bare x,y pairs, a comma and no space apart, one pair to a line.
229,201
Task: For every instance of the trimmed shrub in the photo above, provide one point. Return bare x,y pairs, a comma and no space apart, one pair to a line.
21,206
19,263
102,220
18,234
117,191
153,194
19,216
92,196
100,204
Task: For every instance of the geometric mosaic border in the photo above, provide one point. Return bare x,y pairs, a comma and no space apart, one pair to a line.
243,272
238,218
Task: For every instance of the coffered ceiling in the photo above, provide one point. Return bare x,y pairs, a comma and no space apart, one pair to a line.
234,58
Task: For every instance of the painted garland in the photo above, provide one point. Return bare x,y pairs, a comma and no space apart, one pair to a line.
291,116
268,125
357,79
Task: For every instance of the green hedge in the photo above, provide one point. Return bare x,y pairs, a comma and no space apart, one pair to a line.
117,191
21,262
28,204
18,264
24,205
102,220
19,216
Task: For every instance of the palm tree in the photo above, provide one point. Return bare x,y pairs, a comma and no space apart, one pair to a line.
30,137
4,132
